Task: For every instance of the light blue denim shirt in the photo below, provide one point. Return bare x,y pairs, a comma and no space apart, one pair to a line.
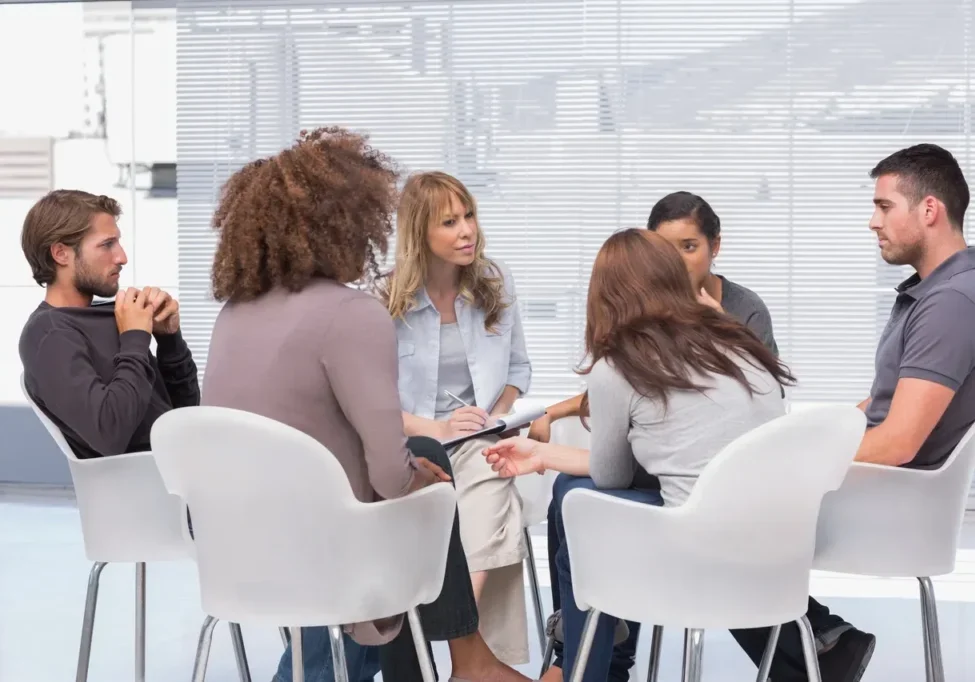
496,359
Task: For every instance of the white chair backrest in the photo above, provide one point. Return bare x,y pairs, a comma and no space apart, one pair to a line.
738,553
126,512
919,531
279,535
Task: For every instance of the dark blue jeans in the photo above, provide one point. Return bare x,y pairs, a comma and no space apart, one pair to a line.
605,660
451,616
362,662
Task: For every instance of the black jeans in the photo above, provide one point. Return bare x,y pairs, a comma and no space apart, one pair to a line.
788,665
453,614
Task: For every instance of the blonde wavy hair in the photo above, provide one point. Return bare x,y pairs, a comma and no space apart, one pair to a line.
425,198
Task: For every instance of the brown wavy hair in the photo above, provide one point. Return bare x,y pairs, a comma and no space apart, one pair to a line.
642,316
321,208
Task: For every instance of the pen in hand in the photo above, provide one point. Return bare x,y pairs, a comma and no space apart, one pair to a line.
453,397
488,422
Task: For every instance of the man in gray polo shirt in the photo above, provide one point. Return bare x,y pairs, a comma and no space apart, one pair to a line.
923,396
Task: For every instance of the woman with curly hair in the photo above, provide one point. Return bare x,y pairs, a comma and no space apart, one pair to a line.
462,360
295,344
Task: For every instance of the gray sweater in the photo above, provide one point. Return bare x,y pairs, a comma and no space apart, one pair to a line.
630,430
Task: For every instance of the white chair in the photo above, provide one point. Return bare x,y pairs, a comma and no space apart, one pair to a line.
737,554
536,495
126,516
900,523
281,539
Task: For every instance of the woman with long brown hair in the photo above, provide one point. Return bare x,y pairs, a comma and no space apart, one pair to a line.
671,382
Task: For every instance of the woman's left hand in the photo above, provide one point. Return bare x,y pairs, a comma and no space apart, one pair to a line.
514,457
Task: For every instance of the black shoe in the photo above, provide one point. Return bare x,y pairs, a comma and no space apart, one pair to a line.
847,660
554,629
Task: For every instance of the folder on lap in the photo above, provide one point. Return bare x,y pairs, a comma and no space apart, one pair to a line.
519,418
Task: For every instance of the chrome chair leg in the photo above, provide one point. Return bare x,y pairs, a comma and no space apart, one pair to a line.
240,653
766,665
693,655
88,624
340,666
203,649
548,654
933,663
297,656
140,622
809,651
422,651
535,588
585,646
656,642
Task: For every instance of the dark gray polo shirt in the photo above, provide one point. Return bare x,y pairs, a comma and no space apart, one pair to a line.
931,336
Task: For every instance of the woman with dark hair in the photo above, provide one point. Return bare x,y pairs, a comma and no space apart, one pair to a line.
671,382
294,343
689,223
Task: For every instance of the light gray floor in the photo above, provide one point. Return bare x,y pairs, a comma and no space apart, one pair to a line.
43,575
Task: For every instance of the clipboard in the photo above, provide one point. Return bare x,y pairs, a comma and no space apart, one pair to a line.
516,420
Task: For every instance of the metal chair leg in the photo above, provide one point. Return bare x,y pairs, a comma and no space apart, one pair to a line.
340,667
297,656
240,653
656,642
203,649
548,654
933,663
140,622
88,624
536,590
809,651
422,651
585,646
766,665
285,636
693,655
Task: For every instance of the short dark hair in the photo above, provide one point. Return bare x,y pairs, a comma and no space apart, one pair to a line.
928,170
60,217
684,205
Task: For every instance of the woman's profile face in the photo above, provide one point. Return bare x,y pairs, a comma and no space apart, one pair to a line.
452,236
693,247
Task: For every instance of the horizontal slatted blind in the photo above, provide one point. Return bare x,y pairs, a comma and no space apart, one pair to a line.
568,119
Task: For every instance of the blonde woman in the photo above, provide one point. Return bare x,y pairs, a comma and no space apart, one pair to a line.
462,360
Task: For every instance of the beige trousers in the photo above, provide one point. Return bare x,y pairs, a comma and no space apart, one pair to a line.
491,530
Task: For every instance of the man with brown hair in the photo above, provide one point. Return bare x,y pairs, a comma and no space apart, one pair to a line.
88,365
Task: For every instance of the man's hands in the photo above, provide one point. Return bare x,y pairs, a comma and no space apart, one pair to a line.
150,309
132,311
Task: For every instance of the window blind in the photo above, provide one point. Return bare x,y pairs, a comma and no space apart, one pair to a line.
569,119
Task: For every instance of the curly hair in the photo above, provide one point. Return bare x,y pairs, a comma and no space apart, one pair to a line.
321,208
